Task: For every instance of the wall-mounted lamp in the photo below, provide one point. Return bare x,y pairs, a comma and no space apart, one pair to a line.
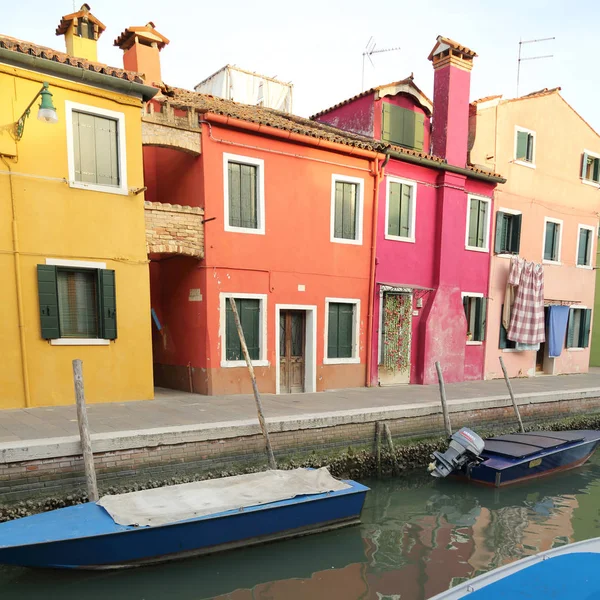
46,112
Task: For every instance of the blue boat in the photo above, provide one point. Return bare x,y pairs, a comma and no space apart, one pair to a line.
571,572
94,535
513,458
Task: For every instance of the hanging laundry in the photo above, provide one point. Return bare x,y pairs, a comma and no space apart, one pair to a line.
557,328
514,274
527,324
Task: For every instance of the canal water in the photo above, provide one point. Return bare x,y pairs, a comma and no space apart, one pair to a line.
418,537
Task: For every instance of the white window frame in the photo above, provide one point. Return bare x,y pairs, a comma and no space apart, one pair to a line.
223,300
590,181
355,358
560,234
474,295
590,258
508,211
77,264
579,348
487,199
413,209
119,117
255,162
359,211
525,163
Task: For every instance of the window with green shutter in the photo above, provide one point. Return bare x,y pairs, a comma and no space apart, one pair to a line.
590,169
508,233
346,210
525,146
552,241
249,313
402,126
96,149
584,247
400,209
243,195
340,330
478,223
578,328
77,303
475,313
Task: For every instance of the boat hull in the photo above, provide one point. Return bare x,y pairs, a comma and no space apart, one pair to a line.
127,546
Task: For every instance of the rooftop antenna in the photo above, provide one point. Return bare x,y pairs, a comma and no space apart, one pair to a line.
369,51
520,60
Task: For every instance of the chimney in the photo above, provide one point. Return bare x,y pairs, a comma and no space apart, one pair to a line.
81,30
452,64
141,47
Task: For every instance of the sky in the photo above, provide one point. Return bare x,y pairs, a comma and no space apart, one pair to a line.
318,45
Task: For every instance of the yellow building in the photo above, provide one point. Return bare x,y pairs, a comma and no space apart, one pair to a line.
72,238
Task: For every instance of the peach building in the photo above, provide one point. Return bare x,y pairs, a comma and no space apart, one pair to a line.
546,212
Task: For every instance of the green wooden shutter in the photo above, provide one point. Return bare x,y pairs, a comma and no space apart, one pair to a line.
233,348
332,330
386,122
571,329
106,151
499,241
582,247
349,211
394,200
503,342
473,214
596,171
48,297
584,162
250,318
522,138
235,203
419,131
108,304
549,242
586,326
405,210
466,307
482,302
408,128
515,238
248,176
84,147
346,319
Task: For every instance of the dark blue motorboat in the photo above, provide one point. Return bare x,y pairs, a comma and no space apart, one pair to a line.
89,536
512,458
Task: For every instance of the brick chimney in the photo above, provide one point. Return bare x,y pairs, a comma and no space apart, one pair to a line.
141,47
81,30
452,64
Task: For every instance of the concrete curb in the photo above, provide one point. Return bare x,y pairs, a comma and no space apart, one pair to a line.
49,448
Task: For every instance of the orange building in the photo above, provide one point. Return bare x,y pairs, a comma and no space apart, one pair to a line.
287,209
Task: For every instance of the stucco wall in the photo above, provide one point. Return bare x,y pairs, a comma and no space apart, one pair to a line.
356,116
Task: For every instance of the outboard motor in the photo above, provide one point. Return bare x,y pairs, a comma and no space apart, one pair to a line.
465,447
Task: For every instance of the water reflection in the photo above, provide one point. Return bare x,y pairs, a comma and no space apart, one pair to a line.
418,536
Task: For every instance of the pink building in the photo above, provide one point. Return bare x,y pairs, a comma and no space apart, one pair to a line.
433,226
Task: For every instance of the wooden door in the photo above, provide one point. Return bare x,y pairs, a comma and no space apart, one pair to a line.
292,342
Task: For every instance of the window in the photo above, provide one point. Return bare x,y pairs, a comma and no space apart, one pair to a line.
478,223
346,210
251,309
585,242
578,329
96,148
475,306
525,147
77,302
244,194
400,210
508,232
504,341
342,319
552,235
590,169
402,126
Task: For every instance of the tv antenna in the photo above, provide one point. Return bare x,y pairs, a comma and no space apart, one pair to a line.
520,60
369,51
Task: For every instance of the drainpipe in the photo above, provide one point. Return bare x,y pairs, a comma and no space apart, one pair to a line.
377,179
20,311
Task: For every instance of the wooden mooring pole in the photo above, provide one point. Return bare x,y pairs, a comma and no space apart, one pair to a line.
390,442
440,375
512,396
84,432
261,418
378,447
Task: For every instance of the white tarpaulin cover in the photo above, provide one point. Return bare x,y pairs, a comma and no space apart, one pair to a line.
175,503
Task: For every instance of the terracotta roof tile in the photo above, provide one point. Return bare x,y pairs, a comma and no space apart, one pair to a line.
536,94
84,11
486,99
453,45
147,32
22,47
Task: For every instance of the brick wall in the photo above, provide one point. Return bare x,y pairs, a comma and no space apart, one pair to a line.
44,477
171,228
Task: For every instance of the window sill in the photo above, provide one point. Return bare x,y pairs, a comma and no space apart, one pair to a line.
250,230
586,267
345,241
233,364
79,342
506,254
590,182
93,187
341,361
475,249
576,349
524,164
556,263
474,343
397,238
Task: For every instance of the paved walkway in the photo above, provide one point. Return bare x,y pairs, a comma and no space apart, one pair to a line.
181,410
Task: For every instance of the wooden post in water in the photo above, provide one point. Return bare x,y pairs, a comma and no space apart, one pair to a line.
512,396
440,375
84,432
378,447
390,442
261,418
